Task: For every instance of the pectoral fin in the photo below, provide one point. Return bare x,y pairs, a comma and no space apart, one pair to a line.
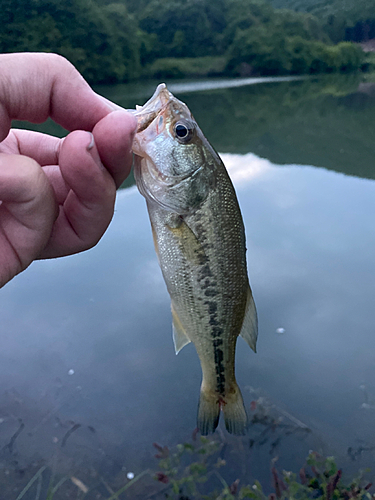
155,239
188,242
180,338
249,330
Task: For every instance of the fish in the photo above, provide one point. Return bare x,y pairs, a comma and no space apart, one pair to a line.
199,238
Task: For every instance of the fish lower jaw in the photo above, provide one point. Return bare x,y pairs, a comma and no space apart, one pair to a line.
137,147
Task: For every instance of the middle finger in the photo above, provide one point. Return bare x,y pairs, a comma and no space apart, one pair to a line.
43,148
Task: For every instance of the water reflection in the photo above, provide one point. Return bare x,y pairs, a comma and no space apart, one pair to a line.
105,315
326,121
213,84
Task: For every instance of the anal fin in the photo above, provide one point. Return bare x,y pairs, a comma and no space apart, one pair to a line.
249,330
180,338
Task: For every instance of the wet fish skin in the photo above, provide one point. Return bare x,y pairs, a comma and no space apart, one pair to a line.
200,242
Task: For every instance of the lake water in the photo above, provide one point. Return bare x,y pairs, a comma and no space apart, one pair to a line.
88,374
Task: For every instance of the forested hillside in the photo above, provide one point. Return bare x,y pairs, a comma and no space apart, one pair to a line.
352,20
298,5
118,41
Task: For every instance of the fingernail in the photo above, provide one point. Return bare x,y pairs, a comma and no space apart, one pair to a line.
92,142
94,152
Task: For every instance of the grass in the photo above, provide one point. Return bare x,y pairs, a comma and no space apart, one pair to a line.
81,489
38,479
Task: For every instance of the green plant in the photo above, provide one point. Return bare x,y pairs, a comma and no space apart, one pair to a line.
189,466
44,480
191,471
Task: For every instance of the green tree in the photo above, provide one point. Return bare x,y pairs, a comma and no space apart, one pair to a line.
126,41
118,40
301,54
350,20
273,53
183,29
101,43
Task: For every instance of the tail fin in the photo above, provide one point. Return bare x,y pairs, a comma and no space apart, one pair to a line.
235,414
208,413
233,408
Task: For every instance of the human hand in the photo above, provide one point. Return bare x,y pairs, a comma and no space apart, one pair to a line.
56,195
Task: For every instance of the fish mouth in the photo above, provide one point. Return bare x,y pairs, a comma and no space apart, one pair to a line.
155,118
147,113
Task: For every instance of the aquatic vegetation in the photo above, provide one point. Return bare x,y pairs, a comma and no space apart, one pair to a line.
192,471
319,478
68,486
199,468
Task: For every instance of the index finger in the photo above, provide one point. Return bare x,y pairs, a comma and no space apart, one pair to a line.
35,86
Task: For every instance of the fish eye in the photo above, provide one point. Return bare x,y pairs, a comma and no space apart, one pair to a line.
183,131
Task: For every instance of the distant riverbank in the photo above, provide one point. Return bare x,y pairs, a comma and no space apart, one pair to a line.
349,58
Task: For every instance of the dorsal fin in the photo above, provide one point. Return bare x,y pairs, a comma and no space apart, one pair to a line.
249,330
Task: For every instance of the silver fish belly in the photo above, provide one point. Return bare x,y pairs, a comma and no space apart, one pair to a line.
200,242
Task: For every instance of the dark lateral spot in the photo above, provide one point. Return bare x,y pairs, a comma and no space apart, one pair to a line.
220,382
204,272
211,292
216,332
202,258
212,307
219,368
206,283
213,321
221,387
219,356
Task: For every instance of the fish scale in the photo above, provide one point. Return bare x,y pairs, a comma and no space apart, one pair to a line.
200,242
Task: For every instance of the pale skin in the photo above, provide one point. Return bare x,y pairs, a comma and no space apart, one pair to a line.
56,195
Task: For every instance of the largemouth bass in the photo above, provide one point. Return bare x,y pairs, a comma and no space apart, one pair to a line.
199,238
